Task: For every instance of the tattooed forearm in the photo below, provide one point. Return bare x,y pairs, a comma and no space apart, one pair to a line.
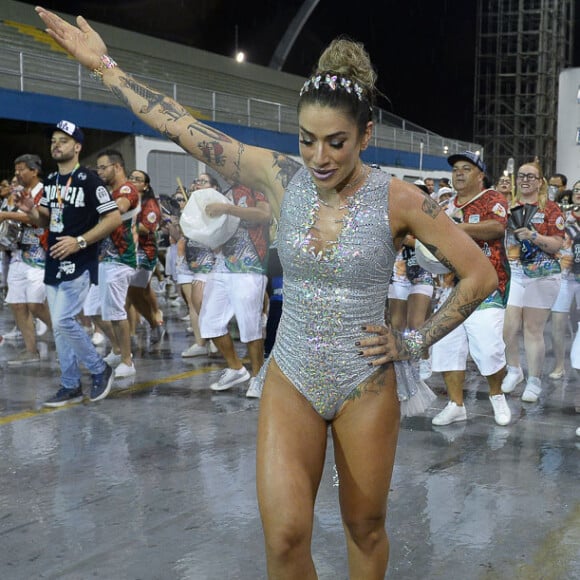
437,253
169,112
238,162
468,308
121,96
168,107
286,167
454,311
431,208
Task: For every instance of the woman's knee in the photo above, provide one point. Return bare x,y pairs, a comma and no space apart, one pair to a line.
287,540
366,532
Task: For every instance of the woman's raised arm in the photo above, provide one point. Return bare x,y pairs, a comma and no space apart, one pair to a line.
255,167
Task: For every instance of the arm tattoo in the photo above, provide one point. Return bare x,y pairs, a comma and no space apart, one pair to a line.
454,311
431,208
169,108
468,308
208,132
121,96
172,112
286,166
437,253
238,162
212,152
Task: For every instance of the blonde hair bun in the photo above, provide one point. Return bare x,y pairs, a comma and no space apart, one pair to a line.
349,59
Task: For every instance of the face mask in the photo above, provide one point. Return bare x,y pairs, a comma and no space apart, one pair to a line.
552,192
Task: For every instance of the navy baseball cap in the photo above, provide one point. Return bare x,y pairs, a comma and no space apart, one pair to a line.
70,129
470,156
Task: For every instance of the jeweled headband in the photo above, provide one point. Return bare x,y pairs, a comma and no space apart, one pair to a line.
333,82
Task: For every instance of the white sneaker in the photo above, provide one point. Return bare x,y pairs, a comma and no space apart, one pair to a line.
425,369
40,327
98,338
113,359
532,390
578,432
124,371
14,334
501,411
212,348
194,350
254,390
513,377
450,414
229,378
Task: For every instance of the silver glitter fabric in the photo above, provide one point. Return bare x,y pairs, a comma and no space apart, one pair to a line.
329,296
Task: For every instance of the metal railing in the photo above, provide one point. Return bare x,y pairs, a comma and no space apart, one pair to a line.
54,75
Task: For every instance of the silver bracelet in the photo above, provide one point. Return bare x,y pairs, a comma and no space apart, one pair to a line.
414,343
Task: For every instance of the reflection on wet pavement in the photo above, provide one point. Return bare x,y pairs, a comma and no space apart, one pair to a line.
157,481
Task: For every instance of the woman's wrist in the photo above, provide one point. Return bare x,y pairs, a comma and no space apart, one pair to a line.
414,344
106,63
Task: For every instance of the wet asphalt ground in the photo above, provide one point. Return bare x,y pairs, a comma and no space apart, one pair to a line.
157,481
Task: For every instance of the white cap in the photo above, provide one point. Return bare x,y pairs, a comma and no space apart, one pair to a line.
444,190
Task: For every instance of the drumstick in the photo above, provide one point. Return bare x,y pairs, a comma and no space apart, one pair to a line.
181,187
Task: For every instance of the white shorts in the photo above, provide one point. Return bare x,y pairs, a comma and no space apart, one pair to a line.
534,292
191,278
481,336
25,284
183,278
402,291
228,295
141,278
114,280
569,288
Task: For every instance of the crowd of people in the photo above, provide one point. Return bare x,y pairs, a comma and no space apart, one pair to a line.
528,226
365,319
231,278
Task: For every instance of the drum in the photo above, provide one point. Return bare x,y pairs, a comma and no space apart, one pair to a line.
10,234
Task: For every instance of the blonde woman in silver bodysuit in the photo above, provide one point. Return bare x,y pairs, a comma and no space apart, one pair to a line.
335,363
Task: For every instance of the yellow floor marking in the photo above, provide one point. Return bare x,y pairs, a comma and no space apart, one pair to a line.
114,393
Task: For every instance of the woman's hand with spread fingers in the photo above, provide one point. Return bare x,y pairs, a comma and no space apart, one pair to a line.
387,345
81,42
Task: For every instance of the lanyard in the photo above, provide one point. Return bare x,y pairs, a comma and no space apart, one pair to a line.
66,187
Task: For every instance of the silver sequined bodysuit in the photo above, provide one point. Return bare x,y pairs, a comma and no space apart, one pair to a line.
328,297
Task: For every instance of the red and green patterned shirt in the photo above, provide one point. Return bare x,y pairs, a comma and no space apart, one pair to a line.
121,246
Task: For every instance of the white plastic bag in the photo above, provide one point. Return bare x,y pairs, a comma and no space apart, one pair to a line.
427,260
196,225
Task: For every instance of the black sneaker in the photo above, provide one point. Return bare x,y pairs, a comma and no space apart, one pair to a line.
101,384
65,396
